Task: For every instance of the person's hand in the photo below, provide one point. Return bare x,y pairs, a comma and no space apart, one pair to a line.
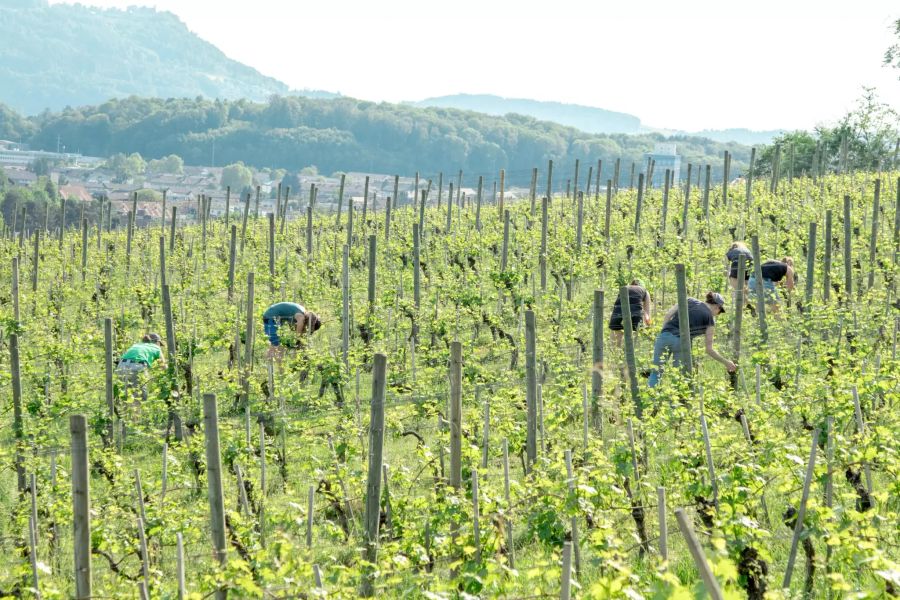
730,366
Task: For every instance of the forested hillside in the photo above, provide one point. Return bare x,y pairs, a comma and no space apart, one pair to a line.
585,118
68,55
341,134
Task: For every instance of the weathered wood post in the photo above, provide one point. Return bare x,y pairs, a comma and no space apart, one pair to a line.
373,248
373,485
693,544
455,415
81,506
504,253
639,206
706,182
543,257
531,388
244,221
18,425
810,266
417,271
630,362
597,357
665,204
84,248
826,265
214,482
110,399
684,325
760,291
608,213
739,308
848,253
232,247
873,240
478,203
801,511
663,526
579,221
345,307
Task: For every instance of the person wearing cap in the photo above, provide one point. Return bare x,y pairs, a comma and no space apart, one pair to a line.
137,359
735,251
639,310
774,272
288,313
702,321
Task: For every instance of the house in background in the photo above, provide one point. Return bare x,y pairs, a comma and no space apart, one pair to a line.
665,156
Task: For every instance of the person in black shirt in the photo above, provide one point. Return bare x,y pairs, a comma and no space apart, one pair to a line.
639,309
774,272
702,320
737,250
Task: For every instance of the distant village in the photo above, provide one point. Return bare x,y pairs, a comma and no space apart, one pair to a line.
86,179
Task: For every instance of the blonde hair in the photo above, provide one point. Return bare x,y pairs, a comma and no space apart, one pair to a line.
788,261
738,246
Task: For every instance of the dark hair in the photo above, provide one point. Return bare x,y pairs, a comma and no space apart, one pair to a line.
315,323
710,299
152,338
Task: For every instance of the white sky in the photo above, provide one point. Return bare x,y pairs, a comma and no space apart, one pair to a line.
690,65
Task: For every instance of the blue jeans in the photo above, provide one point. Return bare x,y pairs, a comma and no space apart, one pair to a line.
769,290
667,344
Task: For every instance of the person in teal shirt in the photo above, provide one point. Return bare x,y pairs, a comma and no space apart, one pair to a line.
137,359
287,313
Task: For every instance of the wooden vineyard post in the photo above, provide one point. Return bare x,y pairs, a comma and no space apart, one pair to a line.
340,202
110,399
579,216
179,574
172,229
565,590
502,190
608,213
256,205
638,207
227,207
271,247
826,267
373,485
848,255
684,325
171,352
725,169
128,240
801,511
570,479
455,415
248,333
81,506
18,426
504,253
760,291
748,194
476,529
665,205
309,232
510,546
478,202
873,240
387,222
36,260
417,271
214,482
231,261
532,191
739,302
84,248
310,505
244,221
810,266
630,363
597,357
449,209
693,544
373,257
663,527
543,257
706,183
549,193
531,389
345,308
710,465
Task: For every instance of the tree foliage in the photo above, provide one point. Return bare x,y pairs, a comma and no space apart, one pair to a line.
348,135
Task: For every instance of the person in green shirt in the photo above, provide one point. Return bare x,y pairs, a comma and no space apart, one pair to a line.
291,314
137,359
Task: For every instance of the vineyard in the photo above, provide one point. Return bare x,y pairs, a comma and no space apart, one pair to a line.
462,425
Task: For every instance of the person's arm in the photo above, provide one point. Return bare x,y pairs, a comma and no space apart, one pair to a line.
710,334
789,278
648,308
300,320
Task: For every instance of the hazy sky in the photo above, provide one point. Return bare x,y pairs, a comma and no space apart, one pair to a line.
689,65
